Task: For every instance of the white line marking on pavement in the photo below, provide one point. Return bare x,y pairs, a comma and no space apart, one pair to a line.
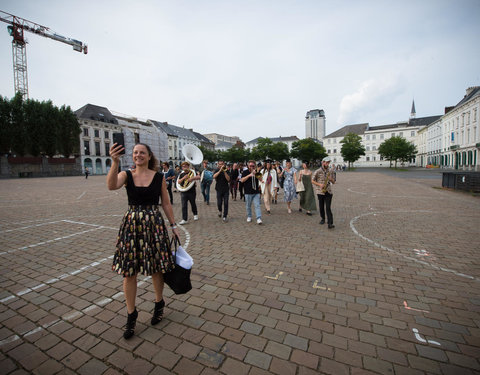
81,195
422,340
55,279
352,227
50,241
30,226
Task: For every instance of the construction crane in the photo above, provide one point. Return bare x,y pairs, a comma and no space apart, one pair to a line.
16,29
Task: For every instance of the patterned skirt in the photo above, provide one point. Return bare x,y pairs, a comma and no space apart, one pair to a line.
142,243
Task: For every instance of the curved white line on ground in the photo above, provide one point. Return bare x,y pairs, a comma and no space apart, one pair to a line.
352,226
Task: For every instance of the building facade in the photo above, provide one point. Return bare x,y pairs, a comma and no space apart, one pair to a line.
315,124
217,138
373,136
97,125
460,135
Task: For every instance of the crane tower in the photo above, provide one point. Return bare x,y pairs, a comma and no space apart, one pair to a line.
17,27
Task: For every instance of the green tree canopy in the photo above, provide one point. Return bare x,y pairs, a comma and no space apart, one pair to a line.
35,128
308,149
262,150
210,155
279,151
397,149
352,148
235,154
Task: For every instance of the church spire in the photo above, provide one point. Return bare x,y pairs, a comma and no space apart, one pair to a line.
413,114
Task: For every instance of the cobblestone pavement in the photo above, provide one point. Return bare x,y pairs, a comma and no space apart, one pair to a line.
394,288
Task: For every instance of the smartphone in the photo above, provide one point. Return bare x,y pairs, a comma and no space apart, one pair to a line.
119,140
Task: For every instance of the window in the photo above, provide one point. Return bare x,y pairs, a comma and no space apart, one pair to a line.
400,134
381,136
107,149
85,132
334,150
329,140
97,133
367,137
86,147
97,148
368,158
374,158
393,134
374,136
412,133
374,148
107,134
137,138
328,152
368,148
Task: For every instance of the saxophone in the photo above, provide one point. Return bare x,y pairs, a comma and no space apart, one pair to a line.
327,182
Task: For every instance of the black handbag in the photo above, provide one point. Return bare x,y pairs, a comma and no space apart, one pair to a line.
178,279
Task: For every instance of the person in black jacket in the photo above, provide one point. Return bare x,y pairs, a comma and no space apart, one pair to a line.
222,177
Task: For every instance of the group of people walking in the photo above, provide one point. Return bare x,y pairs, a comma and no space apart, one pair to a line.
143,243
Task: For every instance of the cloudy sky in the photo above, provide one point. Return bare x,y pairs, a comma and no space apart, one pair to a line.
252,68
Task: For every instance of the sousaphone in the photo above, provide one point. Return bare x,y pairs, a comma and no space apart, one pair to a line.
194,156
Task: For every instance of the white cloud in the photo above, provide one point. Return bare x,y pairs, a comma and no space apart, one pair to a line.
372,94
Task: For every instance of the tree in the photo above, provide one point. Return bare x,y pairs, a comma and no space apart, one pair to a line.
279,151
33,127
308,149
397,148
5,126
263,149
235,154
210,155
352,148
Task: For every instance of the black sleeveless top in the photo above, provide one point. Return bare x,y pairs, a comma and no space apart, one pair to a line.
144,195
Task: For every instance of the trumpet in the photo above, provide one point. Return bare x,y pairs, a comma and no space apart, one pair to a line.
224,169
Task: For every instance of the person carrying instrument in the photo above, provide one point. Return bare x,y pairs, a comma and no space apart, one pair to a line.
323,179
184,178
222,177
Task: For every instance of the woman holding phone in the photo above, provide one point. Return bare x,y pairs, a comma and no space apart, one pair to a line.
143,245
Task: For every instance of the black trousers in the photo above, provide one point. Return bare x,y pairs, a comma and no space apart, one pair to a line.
189,196
222,198
325,201
169,189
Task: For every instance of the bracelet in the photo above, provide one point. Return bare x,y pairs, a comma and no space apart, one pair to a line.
173,226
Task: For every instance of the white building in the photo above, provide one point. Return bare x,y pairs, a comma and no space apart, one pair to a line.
372,137
460,133
315,122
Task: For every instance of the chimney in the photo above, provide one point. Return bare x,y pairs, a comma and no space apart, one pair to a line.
448,109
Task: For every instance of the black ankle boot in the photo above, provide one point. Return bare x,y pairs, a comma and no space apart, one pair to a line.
158,312
130,326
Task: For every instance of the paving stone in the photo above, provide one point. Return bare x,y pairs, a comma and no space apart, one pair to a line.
258,359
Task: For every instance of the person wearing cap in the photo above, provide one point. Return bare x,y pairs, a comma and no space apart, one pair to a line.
322,180
268,183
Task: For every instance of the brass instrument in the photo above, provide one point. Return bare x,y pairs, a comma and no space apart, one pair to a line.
258,175
326,183
224,169
193,155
